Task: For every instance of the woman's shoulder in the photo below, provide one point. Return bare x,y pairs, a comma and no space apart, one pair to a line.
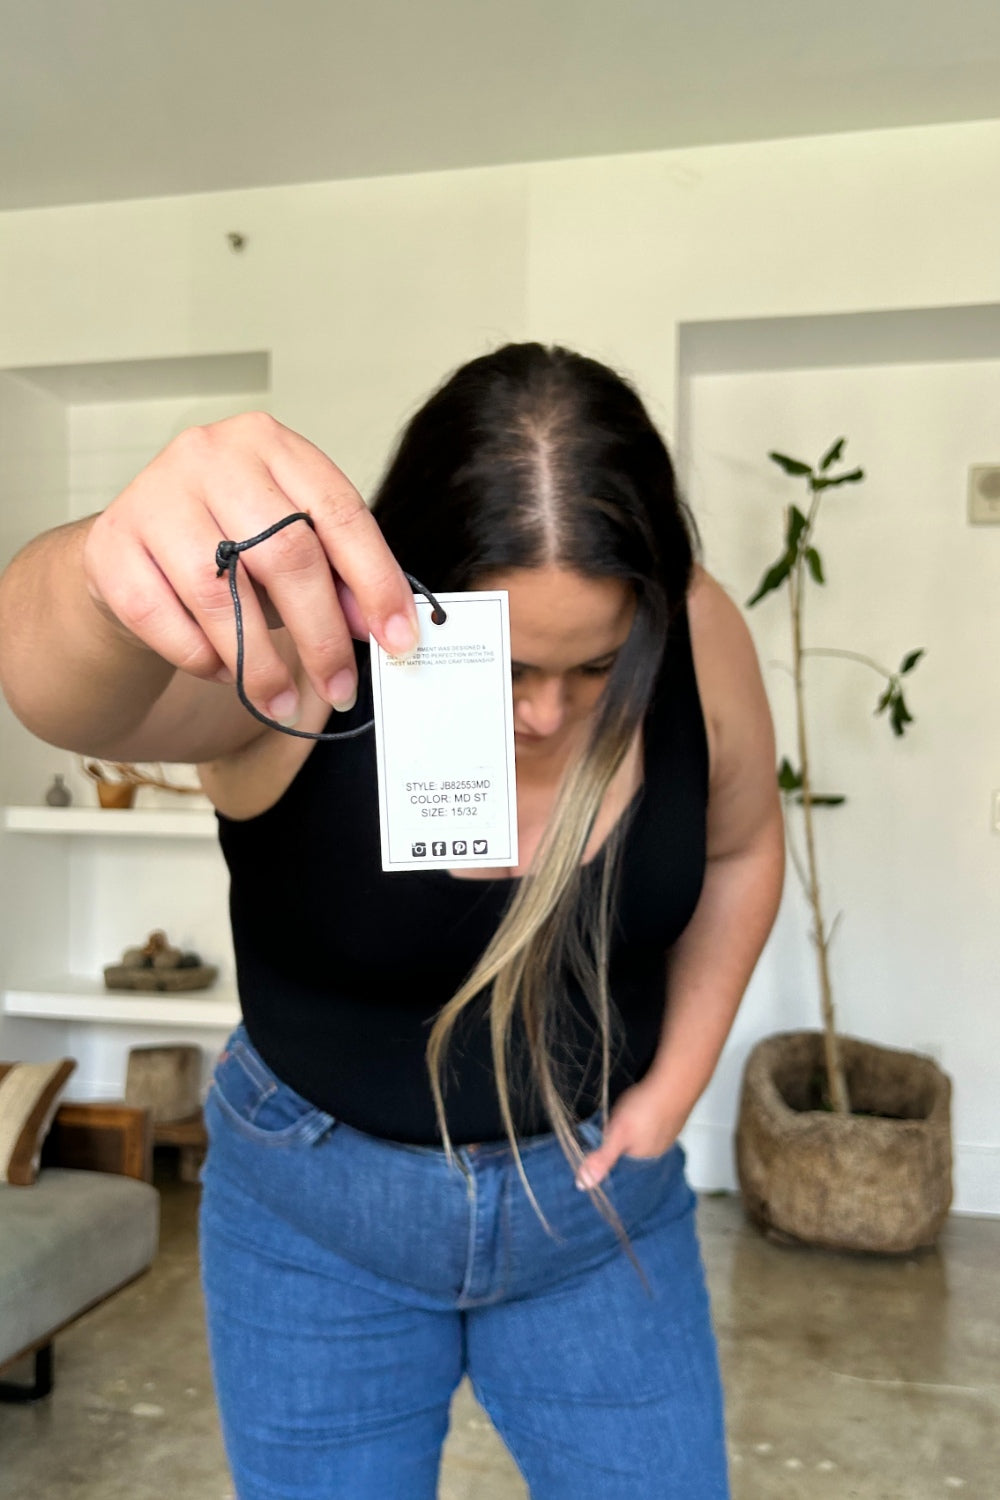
711,611
725,658
721,642
732,693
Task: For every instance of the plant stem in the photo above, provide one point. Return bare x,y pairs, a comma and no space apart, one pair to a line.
839,1098
849,656
800,869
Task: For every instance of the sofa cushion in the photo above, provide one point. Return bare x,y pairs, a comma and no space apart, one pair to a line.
66,1244
29,1095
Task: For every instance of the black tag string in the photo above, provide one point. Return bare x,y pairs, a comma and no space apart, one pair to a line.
227,556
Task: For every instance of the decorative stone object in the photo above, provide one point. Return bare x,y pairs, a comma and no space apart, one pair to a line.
159,966
58,793
164,1080
878,1179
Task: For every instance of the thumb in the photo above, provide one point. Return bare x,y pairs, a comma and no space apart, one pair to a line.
595,1167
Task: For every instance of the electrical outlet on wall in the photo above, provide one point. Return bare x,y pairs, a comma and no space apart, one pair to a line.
984,495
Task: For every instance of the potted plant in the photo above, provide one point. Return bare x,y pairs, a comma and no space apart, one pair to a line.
839,1142
117,781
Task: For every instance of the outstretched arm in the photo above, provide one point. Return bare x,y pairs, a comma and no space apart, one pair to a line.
117,637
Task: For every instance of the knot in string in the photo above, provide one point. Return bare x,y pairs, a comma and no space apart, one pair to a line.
227,556
227,550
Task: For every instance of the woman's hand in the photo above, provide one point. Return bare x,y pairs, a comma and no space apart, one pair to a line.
641,1124
149,562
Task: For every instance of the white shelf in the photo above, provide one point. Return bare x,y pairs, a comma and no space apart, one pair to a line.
129,822
74,998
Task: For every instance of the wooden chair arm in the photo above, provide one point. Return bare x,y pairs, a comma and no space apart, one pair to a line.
102,1137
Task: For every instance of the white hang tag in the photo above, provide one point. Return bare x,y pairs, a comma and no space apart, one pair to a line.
444,740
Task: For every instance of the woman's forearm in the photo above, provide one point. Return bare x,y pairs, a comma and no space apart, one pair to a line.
711,964
70,673
117,631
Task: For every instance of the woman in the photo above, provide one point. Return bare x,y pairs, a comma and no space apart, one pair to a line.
434,1065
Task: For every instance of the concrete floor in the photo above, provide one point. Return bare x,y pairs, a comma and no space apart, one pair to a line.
847,1379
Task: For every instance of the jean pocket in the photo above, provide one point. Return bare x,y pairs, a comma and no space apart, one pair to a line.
255,1101
591,1134
590,1131
673,1154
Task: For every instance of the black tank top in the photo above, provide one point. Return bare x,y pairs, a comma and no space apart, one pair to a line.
342,968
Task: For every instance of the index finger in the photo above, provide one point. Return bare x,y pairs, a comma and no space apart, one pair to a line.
350,536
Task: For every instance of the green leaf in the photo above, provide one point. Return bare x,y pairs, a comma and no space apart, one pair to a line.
790,465
909,662
797,524
854,477
815,564
900,715
832,456
773,579
789,780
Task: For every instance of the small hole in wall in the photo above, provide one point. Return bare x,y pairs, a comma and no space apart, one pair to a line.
237,241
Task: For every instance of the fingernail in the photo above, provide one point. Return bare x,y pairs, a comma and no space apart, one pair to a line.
585,1179
225,677
342,690
284,707
401,635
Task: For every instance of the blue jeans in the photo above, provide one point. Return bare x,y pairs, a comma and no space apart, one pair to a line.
350,1283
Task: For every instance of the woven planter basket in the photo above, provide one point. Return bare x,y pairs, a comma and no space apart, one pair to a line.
845,1182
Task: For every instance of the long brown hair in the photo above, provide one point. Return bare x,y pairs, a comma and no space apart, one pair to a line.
525,457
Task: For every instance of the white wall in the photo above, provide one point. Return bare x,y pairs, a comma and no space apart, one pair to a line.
910,860
33,476
33,470
71,905
364,294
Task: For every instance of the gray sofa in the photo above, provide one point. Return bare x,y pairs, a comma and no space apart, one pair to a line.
88,1226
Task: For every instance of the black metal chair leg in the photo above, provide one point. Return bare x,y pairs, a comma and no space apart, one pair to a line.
12,1391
